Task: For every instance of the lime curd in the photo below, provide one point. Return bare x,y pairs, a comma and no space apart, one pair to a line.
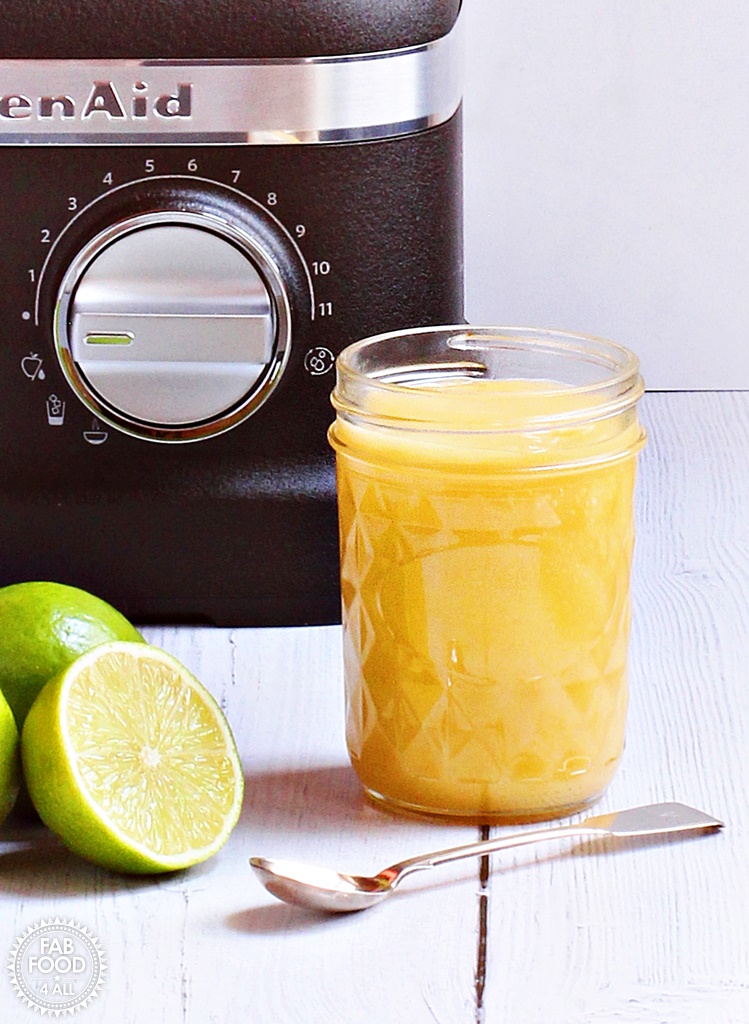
486,533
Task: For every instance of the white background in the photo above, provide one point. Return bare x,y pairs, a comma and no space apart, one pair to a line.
607,175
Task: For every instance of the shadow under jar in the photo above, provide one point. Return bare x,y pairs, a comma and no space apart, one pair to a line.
485,493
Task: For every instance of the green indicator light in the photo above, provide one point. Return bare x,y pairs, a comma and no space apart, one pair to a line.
109,339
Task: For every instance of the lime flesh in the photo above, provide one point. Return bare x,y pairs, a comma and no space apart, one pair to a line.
129,759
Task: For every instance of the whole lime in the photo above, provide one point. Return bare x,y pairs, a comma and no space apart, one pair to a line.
10,761
44,627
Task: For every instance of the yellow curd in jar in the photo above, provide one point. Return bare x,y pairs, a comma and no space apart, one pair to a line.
485,583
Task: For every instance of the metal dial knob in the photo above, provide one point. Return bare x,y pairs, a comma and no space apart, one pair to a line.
173,325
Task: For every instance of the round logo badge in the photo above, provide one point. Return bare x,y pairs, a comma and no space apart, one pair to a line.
57,966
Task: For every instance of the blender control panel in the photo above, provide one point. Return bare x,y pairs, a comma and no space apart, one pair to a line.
173,293
174,299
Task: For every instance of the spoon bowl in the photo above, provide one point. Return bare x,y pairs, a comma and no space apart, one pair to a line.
324,889
307,885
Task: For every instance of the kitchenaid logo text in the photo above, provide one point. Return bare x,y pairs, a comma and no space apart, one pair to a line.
104,100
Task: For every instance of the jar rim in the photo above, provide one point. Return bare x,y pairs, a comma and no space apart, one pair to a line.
616,384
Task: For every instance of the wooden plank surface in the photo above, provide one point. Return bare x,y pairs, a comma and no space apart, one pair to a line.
638,933
210,944
657,932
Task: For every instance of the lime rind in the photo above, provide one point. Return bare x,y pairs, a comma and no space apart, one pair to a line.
132,762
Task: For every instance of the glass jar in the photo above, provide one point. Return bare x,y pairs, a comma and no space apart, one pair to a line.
485,489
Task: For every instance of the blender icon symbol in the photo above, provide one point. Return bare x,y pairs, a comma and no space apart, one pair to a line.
55,411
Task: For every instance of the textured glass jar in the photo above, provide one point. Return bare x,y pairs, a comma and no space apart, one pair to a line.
485,486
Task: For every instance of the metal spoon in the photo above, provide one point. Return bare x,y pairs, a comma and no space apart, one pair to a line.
325,889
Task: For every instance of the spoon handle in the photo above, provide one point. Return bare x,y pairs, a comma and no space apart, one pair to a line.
483,846
652,819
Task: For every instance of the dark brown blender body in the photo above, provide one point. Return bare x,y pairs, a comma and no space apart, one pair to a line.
200,205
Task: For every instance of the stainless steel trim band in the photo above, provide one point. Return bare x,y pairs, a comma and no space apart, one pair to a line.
274,101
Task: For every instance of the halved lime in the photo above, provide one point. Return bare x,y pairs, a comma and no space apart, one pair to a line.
129,759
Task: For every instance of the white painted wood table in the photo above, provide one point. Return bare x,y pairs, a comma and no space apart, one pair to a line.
645,932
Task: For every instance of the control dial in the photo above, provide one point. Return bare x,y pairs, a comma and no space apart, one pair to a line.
173,324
